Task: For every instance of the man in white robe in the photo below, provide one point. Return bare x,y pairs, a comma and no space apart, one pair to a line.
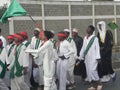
72,60
20,65
38,70
10,55
91,55
3,62
64,51
27,45
3,39
47,54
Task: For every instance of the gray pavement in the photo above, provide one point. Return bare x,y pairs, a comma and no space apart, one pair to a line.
106,86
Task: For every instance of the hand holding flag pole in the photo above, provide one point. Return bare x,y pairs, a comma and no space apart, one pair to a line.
15,9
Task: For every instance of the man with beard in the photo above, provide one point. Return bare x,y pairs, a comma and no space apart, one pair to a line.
80,69
37,75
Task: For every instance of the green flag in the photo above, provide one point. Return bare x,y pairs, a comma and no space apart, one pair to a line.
15,9
113,25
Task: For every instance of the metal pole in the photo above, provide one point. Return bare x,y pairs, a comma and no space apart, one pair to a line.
43,16
11,26
93,13
116,22
70,26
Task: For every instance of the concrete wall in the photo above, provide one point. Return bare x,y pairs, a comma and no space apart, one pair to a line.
62,10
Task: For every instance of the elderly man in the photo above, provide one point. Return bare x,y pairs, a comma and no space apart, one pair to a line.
37,62
80,69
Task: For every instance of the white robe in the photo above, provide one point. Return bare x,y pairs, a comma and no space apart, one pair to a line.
47,54
62,65
72,61
18,83
28,75
3,58
4,41
37,72
91,58
10,59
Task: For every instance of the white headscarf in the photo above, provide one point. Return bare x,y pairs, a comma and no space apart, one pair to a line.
102,31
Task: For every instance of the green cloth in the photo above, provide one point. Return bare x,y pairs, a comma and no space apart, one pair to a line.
3,65
11,48
69,39
26,44
37,43
113,25
54,43
15,9
89,45
16,65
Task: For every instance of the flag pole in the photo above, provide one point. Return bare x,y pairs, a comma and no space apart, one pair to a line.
37,23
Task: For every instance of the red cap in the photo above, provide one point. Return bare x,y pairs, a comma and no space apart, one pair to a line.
10,37
61,35
17,35
24,33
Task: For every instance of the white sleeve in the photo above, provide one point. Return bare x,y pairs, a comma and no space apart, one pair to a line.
4,42
25,57
71,50
32,43
42,48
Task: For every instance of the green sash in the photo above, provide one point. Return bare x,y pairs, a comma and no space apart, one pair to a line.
11,48
37,43
54,43
2,74
26,44
16,65
69,39
89,45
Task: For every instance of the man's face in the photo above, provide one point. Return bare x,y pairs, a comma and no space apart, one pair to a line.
100,27
74,34
89,31
16,39
67,34
36,33
10,41
60,38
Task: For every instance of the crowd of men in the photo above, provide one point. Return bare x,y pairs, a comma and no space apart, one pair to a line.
51,64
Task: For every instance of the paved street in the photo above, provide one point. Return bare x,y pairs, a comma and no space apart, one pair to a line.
106,86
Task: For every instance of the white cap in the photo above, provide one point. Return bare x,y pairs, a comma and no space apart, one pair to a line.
37,29
75,30
66,30
52,31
